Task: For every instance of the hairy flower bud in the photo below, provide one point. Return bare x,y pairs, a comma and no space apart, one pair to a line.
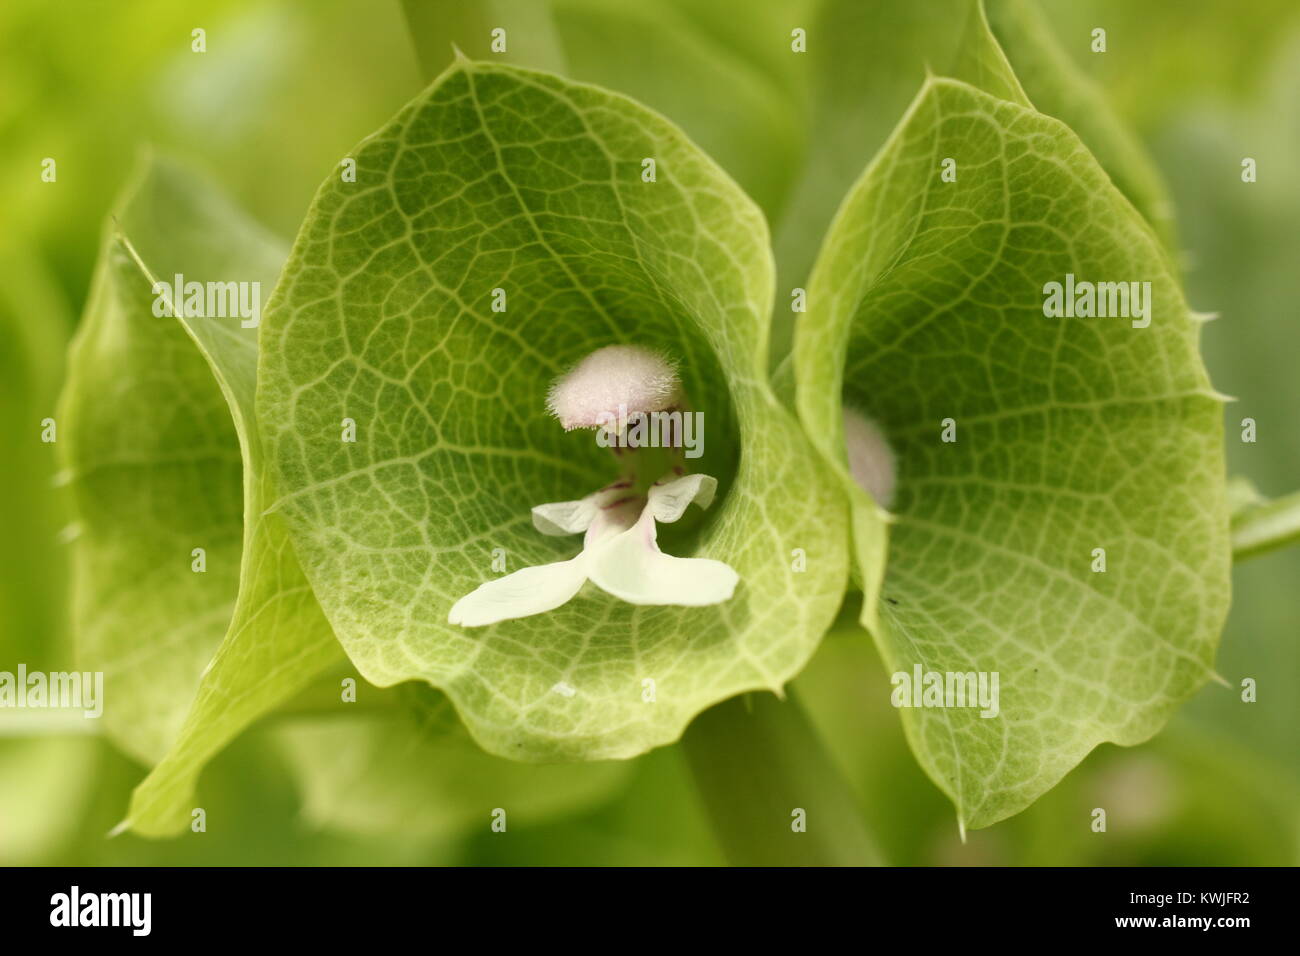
618,380
871,461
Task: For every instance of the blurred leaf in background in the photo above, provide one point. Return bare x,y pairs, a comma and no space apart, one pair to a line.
722,70
34,326
282,92
411,771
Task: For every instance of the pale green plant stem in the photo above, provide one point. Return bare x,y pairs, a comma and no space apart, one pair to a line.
760,768
1266,526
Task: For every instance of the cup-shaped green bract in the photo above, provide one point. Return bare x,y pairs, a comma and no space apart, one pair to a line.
1059,519
503,226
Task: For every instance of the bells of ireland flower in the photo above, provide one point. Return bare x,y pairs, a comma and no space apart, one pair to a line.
610,390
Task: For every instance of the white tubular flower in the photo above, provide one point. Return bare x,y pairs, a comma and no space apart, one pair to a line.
620,555
871,460
620,550
632,567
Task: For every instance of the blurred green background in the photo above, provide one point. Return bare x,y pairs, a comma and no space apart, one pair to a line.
287,86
